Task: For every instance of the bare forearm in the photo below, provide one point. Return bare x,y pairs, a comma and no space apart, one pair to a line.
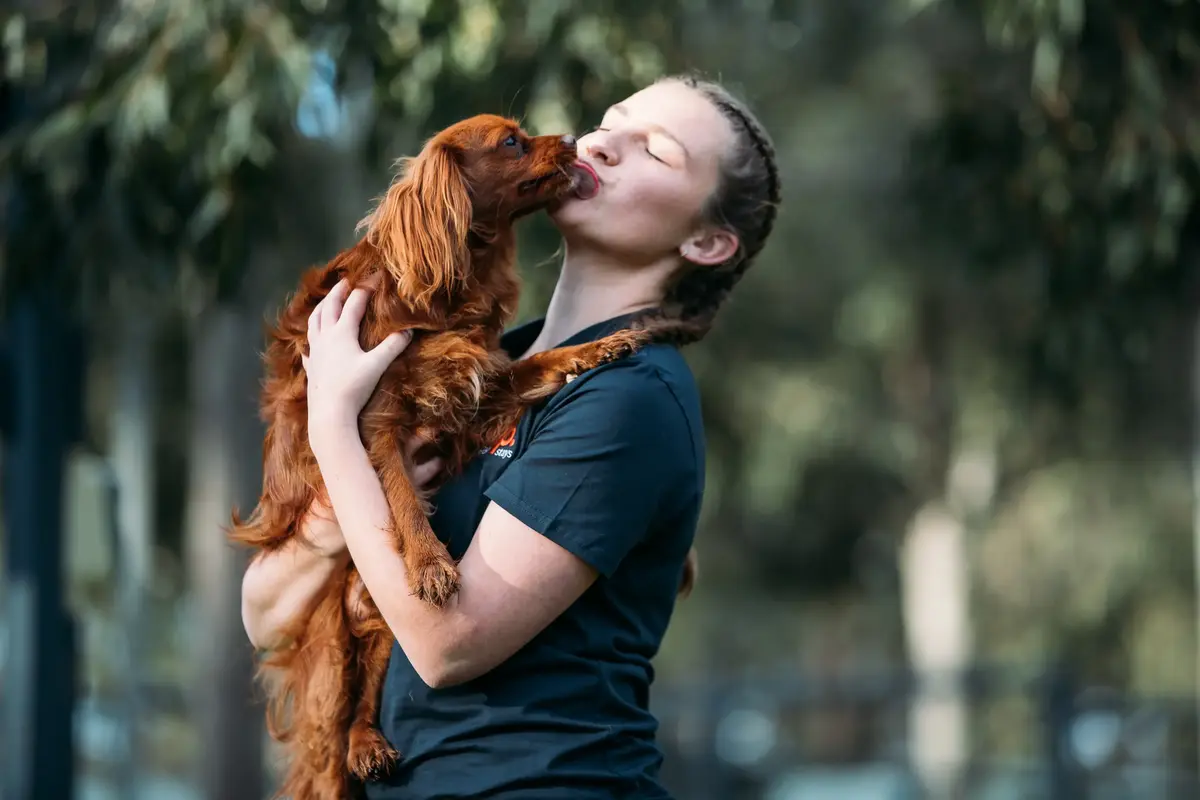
280,586
426,633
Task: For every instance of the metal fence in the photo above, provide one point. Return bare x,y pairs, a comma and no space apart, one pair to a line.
1037,735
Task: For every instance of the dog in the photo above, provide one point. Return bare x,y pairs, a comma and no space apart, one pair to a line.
439,249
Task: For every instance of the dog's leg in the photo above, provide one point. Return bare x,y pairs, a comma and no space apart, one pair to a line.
432,573
369,754
533,379
317,680
543,374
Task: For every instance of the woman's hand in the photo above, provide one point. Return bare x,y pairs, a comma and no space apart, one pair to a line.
421,470
341,376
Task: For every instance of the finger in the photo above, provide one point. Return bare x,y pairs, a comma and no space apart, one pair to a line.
333,302
355,307
390,348
413,446
314,321
426,471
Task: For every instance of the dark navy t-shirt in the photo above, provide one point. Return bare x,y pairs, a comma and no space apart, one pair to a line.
612,469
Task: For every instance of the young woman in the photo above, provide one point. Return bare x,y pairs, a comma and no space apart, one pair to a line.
573,531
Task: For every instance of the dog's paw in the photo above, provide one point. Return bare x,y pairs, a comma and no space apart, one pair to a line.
370,756
435,581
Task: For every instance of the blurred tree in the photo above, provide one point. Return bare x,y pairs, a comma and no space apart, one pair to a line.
154,157
1066,166
1096,158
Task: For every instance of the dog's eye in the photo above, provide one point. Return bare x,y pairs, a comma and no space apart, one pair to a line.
514,144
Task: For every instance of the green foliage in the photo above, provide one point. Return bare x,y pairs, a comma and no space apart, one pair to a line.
974,231
158,123
1088,166
1115,137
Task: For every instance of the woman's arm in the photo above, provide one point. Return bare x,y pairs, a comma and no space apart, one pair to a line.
514,580
585,491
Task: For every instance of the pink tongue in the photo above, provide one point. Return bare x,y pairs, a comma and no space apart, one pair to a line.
585,185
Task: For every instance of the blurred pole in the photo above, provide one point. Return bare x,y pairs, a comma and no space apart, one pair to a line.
42,421
937,628
225,473
132,446
1058,715
1196,504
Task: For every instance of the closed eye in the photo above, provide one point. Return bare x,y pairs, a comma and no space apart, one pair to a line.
647,149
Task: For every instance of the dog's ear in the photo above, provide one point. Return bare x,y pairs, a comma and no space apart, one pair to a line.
420,226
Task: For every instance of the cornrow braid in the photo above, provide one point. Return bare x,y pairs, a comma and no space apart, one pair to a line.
745,202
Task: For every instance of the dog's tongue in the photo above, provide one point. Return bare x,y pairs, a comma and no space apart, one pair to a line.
583,183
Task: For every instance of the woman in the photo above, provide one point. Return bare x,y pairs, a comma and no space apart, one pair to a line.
573,531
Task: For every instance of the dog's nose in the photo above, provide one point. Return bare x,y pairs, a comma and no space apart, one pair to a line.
568,140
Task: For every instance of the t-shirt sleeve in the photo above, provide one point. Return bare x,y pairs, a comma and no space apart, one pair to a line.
615,452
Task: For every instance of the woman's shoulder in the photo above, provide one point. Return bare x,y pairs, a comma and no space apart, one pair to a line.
650,395
657,376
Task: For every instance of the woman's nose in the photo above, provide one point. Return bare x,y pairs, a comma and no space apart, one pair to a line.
600,151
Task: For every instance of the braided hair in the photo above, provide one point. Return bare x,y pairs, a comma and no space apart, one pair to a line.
744,202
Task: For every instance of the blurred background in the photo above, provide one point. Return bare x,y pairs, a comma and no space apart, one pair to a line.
948,543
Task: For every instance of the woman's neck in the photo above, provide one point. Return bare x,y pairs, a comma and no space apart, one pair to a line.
592,289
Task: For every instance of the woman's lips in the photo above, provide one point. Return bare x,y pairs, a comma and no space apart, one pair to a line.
587,182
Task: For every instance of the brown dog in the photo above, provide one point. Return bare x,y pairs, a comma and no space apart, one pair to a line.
440,251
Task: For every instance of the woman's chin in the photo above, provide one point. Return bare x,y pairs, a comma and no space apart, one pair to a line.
568,212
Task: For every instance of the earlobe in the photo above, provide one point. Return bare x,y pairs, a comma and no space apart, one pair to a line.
710,247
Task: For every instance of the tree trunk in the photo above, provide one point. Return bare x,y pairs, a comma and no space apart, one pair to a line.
937,630
132,448
935,598
1196,484
224,474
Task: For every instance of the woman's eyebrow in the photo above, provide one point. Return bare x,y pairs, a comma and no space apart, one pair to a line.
660,130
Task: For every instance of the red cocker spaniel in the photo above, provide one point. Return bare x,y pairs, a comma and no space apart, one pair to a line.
440,251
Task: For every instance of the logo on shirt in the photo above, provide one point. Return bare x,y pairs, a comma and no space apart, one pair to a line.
504,447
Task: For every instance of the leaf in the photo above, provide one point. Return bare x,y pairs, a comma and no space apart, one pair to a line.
212,210
1047,65
145,110
1145,82
1071,16
63,125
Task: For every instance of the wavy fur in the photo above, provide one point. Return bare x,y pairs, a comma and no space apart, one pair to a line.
439,247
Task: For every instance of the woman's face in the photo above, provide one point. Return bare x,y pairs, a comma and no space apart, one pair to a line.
655,161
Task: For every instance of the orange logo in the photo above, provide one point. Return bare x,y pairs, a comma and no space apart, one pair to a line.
509,440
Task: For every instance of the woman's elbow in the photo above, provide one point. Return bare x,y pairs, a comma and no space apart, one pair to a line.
256,617
252,623
451,663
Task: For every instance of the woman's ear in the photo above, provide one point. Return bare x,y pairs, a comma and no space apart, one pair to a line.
710,246
420,226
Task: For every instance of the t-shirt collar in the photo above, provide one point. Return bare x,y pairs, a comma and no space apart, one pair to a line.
519,339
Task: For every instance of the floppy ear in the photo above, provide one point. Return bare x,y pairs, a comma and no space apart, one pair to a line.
420,226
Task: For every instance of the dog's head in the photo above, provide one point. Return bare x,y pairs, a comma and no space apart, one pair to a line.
467,187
